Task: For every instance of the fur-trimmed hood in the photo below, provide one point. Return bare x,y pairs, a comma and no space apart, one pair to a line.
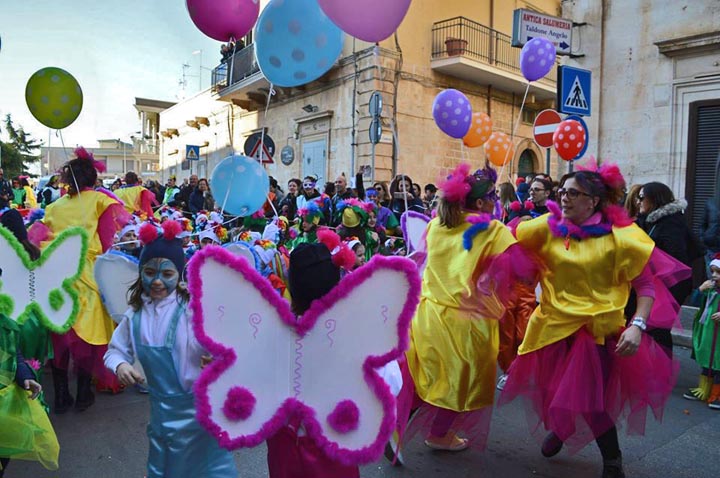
677,206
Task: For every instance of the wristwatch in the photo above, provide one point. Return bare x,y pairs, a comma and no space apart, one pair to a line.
639,322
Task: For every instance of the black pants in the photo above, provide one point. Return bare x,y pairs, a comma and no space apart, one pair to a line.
4,462
608,444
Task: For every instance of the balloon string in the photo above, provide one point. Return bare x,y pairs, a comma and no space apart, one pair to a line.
72,173
271,93
512,134
227,193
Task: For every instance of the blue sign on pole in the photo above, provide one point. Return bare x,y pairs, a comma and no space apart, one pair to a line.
573,90
192,153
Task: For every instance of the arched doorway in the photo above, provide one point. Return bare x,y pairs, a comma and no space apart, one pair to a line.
526,163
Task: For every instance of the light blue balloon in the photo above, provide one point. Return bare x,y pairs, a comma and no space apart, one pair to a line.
240,185
296,42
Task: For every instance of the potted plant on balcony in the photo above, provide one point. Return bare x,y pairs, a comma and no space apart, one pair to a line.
455,46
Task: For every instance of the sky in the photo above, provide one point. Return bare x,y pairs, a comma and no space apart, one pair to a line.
117,50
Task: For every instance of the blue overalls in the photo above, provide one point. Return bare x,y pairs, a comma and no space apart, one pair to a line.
179,446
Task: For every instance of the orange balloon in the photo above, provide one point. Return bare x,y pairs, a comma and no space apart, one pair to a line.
480,130
499,149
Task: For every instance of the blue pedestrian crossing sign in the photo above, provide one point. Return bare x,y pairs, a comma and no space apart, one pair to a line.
192,153
573,90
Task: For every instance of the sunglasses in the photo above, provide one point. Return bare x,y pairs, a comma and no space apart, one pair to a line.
378,188
571,193
641,197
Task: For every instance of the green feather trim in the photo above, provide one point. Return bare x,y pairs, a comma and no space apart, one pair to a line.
7,305
56,299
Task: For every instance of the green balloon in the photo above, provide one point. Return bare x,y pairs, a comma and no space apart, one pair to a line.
54,97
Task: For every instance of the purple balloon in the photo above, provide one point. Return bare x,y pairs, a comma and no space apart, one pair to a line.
368,20
223,20
452,113
537,58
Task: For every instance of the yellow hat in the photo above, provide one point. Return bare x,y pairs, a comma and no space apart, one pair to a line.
350,218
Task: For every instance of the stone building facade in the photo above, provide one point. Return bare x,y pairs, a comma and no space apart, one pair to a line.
324,125
656,89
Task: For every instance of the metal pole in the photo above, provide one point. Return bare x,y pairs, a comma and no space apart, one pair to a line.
547,161
200,73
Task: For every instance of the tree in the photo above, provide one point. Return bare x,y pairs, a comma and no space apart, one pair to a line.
20,151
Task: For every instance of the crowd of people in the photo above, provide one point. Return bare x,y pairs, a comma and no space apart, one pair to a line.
570,287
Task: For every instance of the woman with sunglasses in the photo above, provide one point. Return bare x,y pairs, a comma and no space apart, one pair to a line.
579,366
383,193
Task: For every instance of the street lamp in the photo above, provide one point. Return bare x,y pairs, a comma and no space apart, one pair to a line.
199,52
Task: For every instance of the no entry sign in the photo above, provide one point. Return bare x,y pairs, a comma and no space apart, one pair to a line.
544,127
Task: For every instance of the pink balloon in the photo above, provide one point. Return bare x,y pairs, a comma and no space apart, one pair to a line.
224,19
369,20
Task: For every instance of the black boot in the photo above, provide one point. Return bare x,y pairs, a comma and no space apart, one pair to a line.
551,445
85,395
613,468
63,399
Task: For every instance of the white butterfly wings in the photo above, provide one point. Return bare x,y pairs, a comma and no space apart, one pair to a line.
43,285
322,368
235,315
114,273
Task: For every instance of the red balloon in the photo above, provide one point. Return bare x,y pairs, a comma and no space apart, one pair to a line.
569,139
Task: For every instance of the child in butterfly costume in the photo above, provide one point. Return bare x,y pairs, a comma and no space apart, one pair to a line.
102,215
157,331
454,335
580,368
25,431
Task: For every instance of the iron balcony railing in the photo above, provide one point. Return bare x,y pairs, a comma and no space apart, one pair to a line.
238,67
462,37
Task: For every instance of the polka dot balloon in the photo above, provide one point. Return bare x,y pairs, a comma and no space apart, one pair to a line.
569,139
240,185
480,130
296,42
54,97
537,58
499,149
452,113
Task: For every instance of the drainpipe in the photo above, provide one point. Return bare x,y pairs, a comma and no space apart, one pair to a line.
353,140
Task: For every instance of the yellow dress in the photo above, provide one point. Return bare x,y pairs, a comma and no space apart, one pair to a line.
132,198
93,323
30,197
585,286
453,343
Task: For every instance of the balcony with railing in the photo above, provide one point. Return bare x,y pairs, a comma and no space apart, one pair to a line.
472,51
239,79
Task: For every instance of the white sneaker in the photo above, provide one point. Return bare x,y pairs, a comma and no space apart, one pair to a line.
501,381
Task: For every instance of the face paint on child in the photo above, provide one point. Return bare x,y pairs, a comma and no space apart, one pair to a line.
160,277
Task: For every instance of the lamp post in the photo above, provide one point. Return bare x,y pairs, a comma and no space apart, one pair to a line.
199,52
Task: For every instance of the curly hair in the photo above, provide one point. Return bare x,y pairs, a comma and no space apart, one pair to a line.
78,173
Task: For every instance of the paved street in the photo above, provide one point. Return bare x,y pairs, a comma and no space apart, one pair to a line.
108,441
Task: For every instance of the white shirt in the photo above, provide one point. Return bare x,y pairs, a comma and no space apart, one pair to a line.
154,322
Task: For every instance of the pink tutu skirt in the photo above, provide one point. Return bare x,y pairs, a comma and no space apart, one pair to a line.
579,390
414,416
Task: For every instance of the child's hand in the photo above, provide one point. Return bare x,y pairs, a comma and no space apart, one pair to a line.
716,316
128,375
205,360
33,387
707,285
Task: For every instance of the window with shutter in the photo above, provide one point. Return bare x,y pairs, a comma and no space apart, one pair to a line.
703,158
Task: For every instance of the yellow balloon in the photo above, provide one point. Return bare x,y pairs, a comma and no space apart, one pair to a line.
54,97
